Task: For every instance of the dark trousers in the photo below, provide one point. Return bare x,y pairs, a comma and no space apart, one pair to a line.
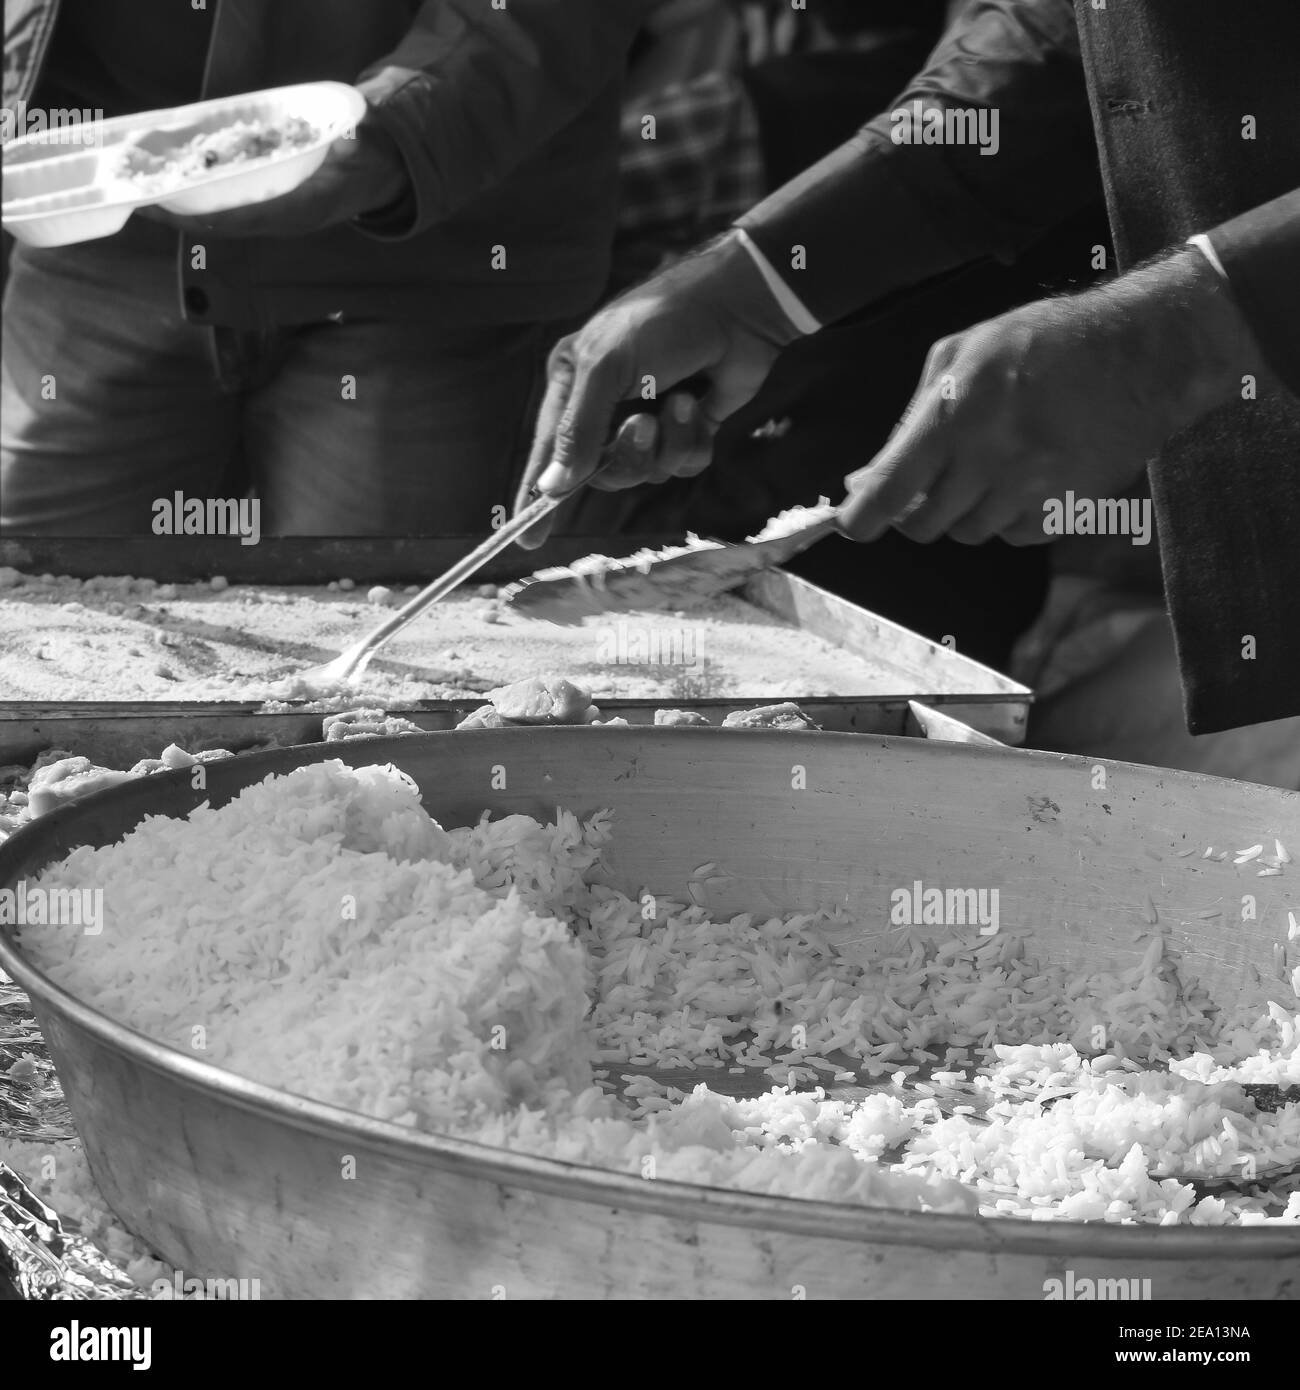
110,400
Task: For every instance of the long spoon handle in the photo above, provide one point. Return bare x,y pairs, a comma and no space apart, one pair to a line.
460,572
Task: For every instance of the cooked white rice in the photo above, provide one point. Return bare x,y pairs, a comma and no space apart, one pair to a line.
322,934
794,519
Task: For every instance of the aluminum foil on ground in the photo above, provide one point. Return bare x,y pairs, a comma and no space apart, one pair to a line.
45,1262
31,1100
40,1257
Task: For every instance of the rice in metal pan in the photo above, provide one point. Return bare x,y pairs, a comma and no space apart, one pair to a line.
322,934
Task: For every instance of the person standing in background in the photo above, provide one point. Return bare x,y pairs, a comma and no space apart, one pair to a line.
430,264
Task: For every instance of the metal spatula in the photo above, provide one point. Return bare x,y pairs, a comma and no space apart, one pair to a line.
660,580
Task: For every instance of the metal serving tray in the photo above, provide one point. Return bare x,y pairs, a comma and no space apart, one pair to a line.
918,669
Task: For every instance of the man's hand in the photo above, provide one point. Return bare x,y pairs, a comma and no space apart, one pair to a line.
359,176
1064,394
710,316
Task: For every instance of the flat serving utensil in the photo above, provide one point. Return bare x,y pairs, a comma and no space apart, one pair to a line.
677,578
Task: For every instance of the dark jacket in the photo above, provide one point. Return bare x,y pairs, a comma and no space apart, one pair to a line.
507,117
1161,88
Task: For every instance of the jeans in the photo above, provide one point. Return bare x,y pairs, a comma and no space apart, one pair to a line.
110,400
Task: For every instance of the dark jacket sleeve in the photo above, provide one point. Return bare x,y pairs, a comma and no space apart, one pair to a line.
473,90
1260,251
879,215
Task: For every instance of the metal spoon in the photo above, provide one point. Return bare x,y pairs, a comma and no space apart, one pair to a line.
327,677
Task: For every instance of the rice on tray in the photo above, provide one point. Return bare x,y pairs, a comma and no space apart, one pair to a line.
329,938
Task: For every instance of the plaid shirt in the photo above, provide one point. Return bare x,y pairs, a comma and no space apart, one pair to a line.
702,169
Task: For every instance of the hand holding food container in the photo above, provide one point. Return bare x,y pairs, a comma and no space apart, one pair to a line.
363,172
262,163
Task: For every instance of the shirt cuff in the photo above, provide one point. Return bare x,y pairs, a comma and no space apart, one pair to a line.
791,305
1206,247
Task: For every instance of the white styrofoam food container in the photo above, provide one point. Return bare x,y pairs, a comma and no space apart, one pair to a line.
57,192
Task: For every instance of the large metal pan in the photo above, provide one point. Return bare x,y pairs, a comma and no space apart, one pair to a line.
227,1178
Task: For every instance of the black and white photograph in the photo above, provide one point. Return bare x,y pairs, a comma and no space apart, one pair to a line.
649,653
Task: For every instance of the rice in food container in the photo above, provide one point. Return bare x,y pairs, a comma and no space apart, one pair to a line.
239,143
